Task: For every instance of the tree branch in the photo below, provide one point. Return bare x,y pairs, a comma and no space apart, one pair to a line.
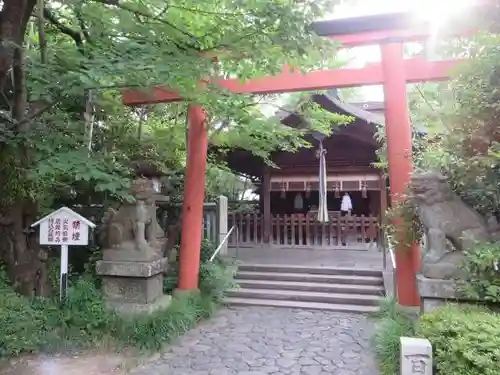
224,125
137,12
431,107
83,27
39,111
74,34
41,32
14,16
19,100
184,47
207,12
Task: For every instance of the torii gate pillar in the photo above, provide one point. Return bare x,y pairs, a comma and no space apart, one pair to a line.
194,195
399,153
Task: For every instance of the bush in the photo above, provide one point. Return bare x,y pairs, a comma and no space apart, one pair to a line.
154,331
465,341
171,278
215,277
31,325
482,268
391,325
20,324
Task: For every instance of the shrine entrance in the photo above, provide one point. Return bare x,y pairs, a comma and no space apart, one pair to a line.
389,31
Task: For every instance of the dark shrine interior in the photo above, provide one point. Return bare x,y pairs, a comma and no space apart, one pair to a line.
284,204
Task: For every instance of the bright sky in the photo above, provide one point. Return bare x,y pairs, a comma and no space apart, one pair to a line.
432,10
422,8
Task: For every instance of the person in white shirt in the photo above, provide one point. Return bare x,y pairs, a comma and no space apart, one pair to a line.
345,210
298,202
346,205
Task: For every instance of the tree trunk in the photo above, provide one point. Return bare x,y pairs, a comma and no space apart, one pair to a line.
21,253
18,246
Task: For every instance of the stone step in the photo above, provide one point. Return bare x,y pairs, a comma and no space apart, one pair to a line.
304,296
278,268
311,286
313,278
359,309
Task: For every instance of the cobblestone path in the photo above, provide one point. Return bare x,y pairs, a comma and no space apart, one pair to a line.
264,341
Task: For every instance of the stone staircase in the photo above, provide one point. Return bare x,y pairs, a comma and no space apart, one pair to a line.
316,288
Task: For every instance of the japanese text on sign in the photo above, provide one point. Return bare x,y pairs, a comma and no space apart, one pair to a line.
65,232
64,227
50,234
75,236
57,230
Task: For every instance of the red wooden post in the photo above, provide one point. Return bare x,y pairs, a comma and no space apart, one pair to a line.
194,195
399,152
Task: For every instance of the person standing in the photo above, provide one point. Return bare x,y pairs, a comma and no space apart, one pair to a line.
346,205
345,210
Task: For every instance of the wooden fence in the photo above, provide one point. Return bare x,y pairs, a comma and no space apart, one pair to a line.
302,230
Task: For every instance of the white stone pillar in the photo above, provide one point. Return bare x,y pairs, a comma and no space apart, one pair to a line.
223,216
416,356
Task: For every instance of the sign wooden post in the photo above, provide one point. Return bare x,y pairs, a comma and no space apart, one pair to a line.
64,228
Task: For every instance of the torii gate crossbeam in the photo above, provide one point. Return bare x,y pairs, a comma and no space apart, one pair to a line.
416,70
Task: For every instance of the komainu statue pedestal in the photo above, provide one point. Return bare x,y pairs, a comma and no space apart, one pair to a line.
434,293
133,287
133,264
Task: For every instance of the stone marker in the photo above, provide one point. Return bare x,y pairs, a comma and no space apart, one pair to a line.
416,356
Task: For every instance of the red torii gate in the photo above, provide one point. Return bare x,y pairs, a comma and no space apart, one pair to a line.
393,72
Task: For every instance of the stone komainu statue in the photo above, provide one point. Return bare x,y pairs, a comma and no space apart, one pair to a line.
445,218
132,232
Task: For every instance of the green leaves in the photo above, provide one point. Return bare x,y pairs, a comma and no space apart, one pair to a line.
482,267
104,46
465,340
392,324
29,326
140,44
456,121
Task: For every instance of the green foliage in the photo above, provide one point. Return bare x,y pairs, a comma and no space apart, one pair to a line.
206,251
402,225
20,324
465,340
460,120
455,128
459,137
73,141
141,45
221,181
84,301
215,277
482,267
392,323
171,278
32,325
154,331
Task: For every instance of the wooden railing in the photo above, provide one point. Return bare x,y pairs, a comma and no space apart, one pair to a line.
303,231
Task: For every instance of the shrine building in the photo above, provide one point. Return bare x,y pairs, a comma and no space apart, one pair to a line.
289,193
